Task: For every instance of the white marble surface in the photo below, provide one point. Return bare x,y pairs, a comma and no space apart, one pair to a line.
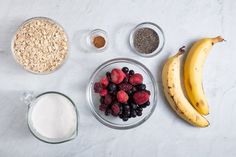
164,134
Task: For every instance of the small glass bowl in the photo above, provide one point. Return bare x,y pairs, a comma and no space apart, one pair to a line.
30,100
93,98
14,38
157,29
94,33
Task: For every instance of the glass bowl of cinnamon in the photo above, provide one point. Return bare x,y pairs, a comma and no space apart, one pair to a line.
97,40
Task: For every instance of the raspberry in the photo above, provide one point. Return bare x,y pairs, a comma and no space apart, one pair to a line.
136,79
141,97
117,76
97,87
115,108
125,87
103,92
108,99
104,81
102,107
122,97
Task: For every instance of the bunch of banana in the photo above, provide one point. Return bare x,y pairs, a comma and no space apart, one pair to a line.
171,78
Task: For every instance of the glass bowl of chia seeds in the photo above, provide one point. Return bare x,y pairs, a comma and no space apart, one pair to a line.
147,39
94,99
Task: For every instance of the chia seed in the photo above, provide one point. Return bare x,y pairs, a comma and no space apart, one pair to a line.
146,40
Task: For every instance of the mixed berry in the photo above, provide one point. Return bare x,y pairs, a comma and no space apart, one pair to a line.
123,93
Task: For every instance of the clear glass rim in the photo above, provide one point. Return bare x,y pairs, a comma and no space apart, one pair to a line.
14,37
45,139
90,85
161,38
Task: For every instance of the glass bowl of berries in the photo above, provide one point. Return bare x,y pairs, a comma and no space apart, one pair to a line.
122,93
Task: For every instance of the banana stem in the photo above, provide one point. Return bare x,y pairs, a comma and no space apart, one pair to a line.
181,51
217,39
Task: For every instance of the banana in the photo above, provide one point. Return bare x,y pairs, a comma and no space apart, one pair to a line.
171,79
193,73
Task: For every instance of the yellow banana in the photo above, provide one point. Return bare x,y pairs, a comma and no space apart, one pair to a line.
171,79
193,73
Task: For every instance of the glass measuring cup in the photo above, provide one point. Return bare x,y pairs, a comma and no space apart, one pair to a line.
34,101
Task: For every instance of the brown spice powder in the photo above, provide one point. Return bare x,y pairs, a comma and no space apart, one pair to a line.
99,41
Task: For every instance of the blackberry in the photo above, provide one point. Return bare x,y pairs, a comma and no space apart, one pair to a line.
121,109
141,87
139,113
126,80
125,87
126,107
133,114
133,106
139,109
127,113
129,92
134,89
108,99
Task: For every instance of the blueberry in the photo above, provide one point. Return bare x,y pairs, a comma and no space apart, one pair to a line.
125,69
131,72
125,118
121,116
144,106
102,100
108,112
141,87
112,88
147,103
108,74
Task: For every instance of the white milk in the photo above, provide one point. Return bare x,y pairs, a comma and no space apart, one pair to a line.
54,116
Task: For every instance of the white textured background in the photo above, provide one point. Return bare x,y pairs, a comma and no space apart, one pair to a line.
164,134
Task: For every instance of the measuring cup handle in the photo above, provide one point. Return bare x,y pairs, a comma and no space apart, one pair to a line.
28,97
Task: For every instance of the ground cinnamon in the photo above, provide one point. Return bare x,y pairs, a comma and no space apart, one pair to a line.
99,41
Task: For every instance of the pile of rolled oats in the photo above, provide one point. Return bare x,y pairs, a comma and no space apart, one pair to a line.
40,45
